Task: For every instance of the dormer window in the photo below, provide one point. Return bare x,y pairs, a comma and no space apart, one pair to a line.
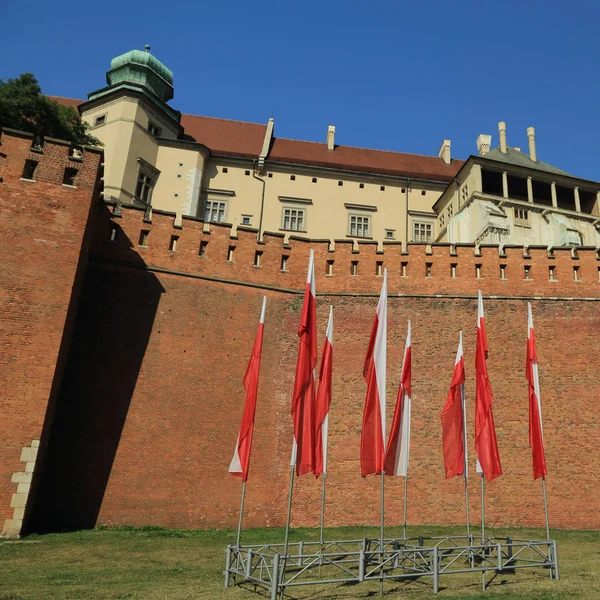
154,129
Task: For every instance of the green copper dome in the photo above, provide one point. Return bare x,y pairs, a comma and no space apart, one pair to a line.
141,68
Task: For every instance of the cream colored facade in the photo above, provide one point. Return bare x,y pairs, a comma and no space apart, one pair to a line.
505,196
187,178
501,196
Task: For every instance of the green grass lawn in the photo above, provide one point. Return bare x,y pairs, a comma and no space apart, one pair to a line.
153,564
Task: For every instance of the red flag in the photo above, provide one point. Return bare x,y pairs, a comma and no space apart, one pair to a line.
453,416
398,447
536,437
323,400
372,439
486,446
241,455
303,403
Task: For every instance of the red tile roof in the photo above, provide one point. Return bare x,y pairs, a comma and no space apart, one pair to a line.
241,139
224,137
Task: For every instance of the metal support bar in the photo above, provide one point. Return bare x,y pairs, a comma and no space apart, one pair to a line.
227,565
275,578
435,566
248,565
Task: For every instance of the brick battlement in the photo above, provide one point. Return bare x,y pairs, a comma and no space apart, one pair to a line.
191,247
51,161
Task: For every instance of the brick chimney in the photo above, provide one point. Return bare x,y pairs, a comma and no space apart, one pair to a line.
444,151
331,138
484,143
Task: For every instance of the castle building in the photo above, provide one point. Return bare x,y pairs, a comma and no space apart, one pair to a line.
127,321
242,174
504,196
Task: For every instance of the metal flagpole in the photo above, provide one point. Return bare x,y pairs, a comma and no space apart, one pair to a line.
381,532
324,475
546,507
405,503
289,509
239,531
483,530
466,452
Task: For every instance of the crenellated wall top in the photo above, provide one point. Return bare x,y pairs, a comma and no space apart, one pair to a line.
190,247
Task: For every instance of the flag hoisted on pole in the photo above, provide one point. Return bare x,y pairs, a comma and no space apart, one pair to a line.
241,457
372,440
303,403
486,445
398,446
536,436
323,400
453,420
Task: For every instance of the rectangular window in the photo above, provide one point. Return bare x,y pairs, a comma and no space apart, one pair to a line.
214,211
202,251
144,237
478,271
100,120
422,232
329,268
428,270
258,258
293,219
551,274
230,252
246,220
576,274
69,176
359,226
379,268
354,267
453,270
173,244
502,271
521,216
143,189
389,234
527,270
403,267
284,261
29,169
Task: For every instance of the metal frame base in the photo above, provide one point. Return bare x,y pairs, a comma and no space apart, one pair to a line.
355,561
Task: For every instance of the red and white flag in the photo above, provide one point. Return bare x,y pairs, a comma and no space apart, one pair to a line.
241,456
303,402
323,400
372,439
398,447
536,436
453,420
486,446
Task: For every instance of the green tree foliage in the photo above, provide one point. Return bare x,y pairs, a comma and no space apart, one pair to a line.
24,107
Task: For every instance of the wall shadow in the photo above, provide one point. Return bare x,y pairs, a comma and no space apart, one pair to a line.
112,328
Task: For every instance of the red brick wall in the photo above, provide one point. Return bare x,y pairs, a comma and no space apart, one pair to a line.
42,230
152,399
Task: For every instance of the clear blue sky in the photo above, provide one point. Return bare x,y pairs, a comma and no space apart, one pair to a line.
388,74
